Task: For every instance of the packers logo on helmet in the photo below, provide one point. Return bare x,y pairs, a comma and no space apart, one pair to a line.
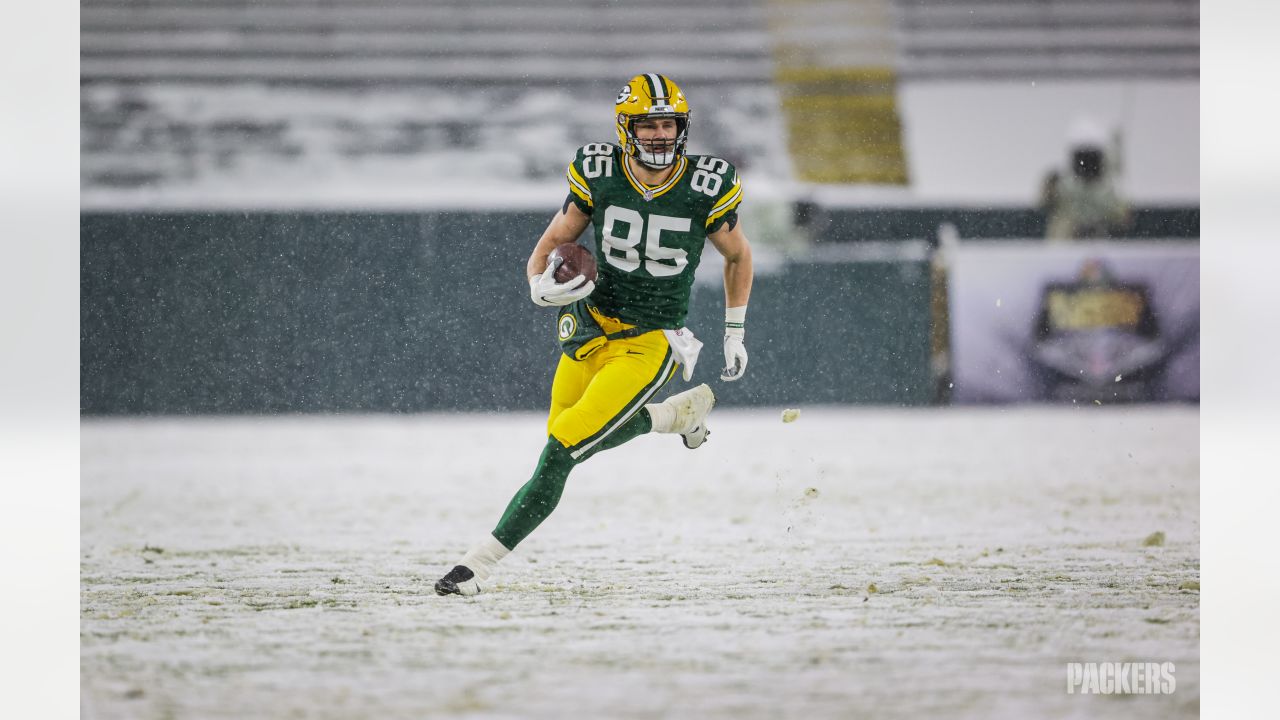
652,97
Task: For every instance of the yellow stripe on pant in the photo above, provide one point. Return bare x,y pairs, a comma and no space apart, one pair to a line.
592,398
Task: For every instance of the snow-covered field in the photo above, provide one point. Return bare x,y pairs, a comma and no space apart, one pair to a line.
856,563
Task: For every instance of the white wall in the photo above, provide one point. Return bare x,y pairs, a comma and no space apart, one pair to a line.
994,141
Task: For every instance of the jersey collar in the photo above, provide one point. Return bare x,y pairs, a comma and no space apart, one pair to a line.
648,192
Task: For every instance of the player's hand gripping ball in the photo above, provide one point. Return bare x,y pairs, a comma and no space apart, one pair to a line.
569,277
575,260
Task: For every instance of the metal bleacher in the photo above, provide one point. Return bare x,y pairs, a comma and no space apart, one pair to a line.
420,41
203,93
176,93
1047,39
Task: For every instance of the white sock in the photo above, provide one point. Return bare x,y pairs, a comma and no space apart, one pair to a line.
484,556
663,417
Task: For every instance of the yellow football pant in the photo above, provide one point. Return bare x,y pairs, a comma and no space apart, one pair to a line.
592,398
595,405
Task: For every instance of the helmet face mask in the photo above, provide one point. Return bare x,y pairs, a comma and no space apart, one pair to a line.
652,97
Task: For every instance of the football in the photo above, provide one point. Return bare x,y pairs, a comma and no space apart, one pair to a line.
577,261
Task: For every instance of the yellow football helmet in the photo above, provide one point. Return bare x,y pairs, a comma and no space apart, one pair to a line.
652,96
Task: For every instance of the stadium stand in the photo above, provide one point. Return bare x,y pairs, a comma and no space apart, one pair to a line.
1048,39
212,96
215,91
329,42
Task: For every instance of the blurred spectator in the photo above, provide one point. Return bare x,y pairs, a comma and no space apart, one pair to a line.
1083,202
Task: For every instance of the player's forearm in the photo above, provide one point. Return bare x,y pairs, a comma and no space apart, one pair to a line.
556,234
738,274
565,227
538,258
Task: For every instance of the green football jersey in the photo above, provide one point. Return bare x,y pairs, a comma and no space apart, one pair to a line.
649,240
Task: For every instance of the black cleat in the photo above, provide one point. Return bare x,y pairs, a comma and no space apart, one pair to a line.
459,581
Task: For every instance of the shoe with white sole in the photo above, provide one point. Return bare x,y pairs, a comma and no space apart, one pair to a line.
691,410
474,568
693,440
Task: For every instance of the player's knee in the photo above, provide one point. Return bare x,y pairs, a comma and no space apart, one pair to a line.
568,428
557,438
556,453
555,441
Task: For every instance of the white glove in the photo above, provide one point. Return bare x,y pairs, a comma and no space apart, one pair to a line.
546,292
735,354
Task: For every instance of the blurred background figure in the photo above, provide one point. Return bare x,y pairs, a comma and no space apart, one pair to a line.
1084,202
1096,335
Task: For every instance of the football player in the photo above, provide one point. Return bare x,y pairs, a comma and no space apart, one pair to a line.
653,207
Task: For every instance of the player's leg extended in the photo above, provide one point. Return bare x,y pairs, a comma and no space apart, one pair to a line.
613,408
532,502
592,400
605,414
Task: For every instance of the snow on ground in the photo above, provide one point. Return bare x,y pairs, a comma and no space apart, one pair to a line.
858,562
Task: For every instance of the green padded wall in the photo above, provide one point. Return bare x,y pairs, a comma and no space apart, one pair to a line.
186,313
